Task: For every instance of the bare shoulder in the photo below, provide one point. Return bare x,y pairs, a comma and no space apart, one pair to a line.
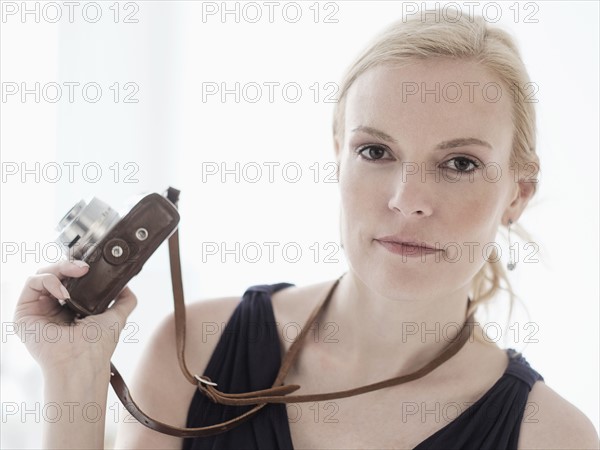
554,423
166,395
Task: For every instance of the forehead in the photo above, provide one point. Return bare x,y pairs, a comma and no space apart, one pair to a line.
435,99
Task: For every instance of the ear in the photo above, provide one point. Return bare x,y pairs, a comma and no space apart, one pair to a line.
523,192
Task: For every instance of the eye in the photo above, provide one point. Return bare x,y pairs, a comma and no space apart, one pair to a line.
463,164
372,152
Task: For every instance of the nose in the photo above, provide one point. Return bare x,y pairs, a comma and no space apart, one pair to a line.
411,195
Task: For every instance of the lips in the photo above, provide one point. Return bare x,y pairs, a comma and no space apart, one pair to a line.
408,242
408,248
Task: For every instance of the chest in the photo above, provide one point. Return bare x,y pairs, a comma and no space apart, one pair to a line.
400,416
371,420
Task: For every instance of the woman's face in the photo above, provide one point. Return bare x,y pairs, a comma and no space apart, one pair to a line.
417,141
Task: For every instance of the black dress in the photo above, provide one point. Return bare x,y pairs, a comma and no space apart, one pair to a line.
247,358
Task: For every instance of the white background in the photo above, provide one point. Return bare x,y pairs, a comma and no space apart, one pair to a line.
170,134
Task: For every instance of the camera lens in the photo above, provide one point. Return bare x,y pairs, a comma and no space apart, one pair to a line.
84,226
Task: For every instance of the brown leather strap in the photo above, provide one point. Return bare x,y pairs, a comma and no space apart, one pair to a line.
278,393
271,396
122,392
121,389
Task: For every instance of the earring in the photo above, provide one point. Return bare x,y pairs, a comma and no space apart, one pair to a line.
511,264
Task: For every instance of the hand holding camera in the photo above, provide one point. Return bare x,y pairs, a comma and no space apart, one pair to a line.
39,308
104,252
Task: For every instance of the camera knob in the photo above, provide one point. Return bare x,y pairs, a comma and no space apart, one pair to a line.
116,251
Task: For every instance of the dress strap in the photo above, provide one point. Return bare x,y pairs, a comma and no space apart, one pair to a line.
268,289
520,368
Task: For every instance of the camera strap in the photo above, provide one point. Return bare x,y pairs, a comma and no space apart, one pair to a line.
278,393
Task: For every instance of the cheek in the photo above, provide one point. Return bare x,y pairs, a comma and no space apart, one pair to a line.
363,196
361,208
471,214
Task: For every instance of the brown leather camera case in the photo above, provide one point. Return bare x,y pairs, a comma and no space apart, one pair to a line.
121,254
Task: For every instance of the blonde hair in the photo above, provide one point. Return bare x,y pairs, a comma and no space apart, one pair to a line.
465,37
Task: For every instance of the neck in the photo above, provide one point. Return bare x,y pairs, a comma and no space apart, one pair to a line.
392,336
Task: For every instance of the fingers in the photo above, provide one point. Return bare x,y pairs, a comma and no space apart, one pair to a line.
66,269
42,289
47,281
42,285
39,297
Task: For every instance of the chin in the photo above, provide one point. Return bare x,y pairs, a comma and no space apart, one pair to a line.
406,278
396,280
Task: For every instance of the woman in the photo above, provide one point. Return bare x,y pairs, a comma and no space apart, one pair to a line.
435,142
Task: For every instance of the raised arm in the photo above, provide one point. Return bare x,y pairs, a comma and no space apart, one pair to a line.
76,368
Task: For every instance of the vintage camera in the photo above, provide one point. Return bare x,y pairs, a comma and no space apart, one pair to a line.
115,248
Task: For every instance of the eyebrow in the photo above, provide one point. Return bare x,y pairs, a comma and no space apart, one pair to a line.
453,143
